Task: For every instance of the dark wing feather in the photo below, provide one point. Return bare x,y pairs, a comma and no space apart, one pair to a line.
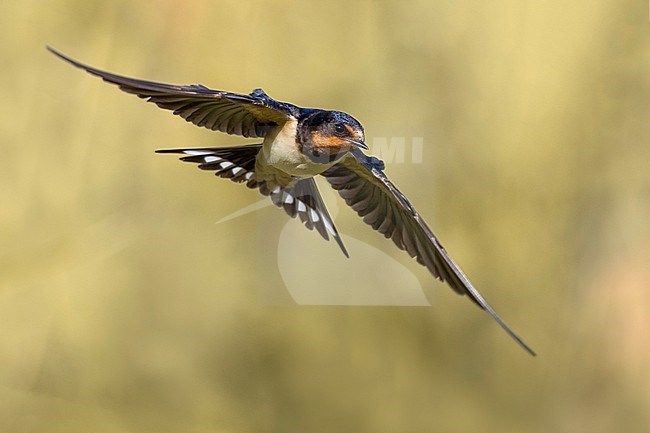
247,115
300,198
359,179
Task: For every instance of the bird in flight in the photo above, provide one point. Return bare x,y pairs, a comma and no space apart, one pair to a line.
298,144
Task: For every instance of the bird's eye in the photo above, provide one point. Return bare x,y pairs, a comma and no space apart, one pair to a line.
339,128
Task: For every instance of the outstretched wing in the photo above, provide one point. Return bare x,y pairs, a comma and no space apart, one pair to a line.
247,115
359,179
300,198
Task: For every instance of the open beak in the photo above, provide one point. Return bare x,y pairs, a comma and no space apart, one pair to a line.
360,144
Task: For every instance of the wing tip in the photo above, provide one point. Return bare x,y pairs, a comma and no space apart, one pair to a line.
52,50
62,56
506,328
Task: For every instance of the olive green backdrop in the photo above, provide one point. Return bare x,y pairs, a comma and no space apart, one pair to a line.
124,308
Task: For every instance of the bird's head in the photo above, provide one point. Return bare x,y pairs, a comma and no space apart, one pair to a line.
325,136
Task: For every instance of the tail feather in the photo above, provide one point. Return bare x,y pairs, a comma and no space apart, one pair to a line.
300,198
236,163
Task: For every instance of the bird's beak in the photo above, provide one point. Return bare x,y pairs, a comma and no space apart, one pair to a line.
360,144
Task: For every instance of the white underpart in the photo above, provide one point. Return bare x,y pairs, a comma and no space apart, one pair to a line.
281,151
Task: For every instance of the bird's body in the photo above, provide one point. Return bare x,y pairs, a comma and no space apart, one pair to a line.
298,144
281,151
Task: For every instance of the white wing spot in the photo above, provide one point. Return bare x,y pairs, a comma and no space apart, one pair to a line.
328,226
211,159
237,170
288,199
226,164
248,175
314,215
196,152
301,207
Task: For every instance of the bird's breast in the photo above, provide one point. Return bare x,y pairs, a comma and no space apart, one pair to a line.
282,151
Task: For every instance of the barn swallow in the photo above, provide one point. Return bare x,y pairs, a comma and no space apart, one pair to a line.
298,144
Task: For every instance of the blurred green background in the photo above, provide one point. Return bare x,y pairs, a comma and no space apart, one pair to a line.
124,308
